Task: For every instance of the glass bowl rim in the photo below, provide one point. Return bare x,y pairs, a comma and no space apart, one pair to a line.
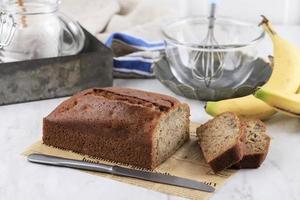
195,46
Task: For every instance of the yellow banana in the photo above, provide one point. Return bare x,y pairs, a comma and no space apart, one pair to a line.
288,103
284,78
247,106
285,75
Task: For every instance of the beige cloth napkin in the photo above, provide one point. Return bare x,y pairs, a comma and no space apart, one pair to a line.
141,18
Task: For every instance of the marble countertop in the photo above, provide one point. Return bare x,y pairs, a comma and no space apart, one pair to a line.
20,126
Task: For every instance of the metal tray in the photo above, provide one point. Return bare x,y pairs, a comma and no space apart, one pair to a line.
260,74
47,78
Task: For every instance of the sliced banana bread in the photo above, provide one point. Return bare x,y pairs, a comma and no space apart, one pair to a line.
119,124
256,144
222,141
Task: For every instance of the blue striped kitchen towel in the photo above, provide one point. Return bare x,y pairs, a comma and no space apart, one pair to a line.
134,56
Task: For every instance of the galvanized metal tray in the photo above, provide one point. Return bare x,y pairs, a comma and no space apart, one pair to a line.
46,78
260,74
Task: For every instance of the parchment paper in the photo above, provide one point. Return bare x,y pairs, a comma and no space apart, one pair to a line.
187,162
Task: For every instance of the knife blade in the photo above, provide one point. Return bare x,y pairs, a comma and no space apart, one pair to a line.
120,171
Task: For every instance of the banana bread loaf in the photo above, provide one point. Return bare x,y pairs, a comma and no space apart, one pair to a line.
118,124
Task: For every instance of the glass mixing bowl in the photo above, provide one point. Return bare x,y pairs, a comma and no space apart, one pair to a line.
237,41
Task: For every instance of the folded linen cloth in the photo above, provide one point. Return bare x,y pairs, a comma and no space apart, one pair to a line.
131,28
134,56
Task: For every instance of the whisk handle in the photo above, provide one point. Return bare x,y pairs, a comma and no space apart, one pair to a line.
214,1
212,14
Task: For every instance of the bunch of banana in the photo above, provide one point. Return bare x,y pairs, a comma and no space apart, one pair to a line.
285,78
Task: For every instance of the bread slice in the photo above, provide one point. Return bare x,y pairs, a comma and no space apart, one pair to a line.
222,141
256,144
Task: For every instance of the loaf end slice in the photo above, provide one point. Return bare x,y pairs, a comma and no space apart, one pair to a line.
171,132
256,144
222,141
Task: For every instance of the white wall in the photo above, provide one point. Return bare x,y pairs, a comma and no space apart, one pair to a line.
279,11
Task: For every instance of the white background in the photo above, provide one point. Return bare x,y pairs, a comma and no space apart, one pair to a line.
279,11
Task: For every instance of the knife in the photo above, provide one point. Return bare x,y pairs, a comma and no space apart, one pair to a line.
120,171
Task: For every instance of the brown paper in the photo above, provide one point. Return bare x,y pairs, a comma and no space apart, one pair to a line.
187,162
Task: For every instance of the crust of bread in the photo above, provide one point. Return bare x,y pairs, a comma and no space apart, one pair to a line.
250,161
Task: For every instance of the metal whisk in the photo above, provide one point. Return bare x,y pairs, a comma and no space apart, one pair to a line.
7,29
207,64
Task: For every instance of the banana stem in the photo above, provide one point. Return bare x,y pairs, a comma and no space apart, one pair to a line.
267,26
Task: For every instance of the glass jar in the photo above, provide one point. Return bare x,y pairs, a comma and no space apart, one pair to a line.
37,30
